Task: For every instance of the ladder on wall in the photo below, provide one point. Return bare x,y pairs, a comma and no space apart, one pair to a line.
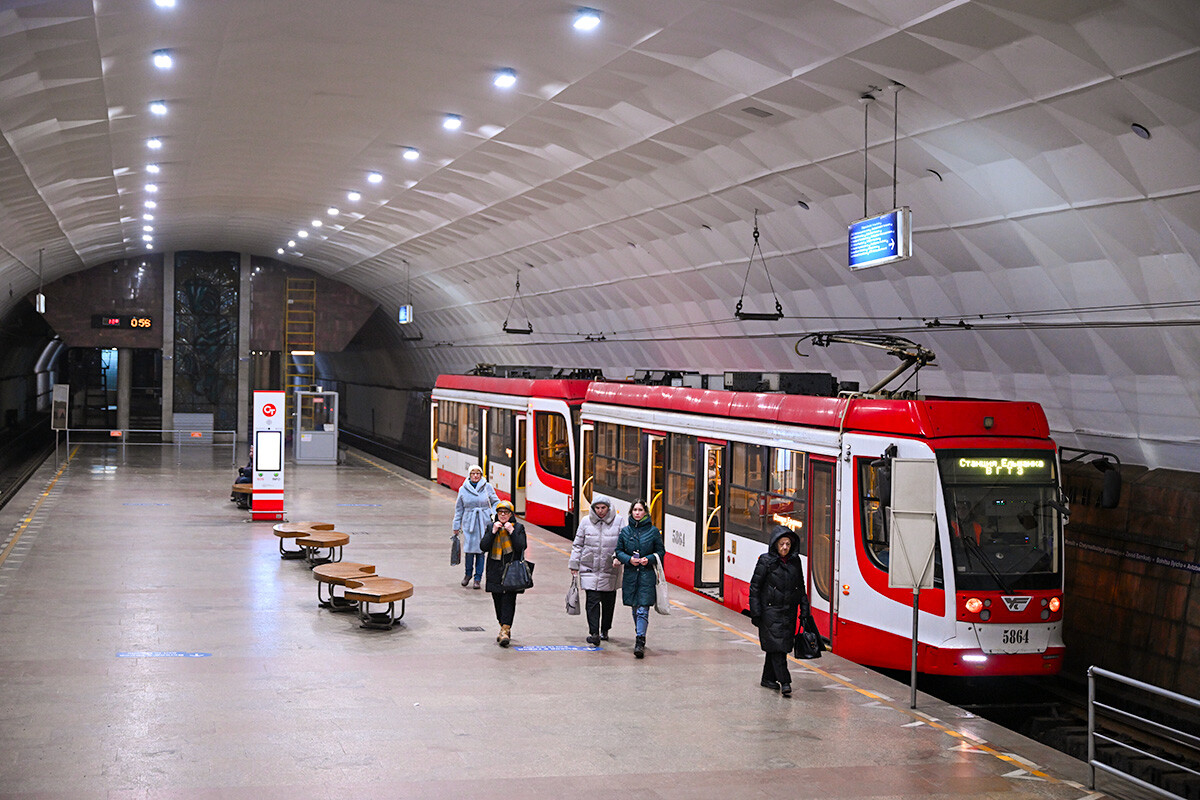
299,341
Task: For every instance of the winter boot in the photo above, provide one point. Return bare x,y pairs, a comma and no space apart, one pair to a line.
639,647
505,635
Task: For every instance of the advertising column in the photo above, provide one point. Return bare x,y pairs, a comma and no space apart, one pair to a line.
269,424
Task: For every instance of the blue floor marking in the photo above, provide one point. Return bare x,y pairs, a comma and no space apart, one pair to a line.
163,654
546,647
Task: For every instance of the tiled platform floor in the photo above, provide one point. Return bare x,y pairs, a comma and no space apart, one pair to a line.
104,559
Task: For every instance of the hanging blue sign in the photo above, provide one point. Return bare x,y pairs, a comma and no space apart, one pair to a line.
406,314
881,239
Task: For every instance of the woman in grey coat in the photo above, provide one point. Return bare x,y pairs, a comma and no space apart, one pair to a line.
592,560
473,516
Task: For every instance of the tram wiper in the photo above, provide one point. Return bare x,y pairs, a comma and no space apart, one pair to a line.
974,547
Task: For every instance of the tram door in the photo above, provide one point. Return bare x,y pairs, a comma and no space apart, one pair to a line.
711,534
820,542
655,476
518,465
433,439
587,463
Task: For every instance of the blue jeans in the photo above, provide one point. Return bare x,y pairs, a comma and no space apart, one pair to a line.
641,618
474,561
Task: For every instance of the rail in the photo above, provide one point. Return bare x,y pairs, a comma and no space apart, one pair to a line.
186,437
1181,740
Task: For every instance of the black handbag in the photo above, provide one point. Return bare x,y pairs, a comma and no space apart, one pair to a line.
808,641
517,576
455,551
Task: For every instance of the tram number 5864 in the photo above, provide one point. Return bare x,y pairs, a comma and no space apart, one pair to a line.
1016,636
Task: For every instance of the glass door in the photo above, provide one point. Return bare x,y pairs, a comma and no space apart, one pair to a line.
711,534
519,459
820,542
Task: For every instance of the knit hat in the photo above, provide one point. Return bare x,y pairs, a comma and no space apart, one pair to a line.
474,468
598,499
507,506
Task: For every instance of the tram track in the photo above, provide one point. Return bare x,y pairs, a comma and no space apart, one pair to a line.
21,455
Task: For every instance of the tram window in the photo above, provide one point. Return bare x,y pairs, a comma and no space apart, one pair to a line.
469,425
500,436
786,496
747,490
618,462
553,444
681,474
873,513
451,419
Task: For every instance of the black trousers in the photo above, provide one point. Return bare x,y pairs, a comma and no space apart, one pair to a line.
775,669
600,607
506,606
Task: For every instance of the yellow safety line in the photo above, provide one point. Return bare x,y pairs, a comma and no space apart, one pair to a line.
913,713
25,522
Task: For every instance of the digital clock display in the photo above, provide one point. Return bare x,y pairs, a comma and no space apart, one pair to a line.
127,321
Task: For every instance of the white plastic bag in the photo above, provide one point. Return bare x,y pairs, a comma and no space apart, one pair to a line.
662,603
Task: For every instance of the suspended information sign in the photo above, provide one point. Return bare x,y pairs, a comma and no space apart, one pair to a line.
882,239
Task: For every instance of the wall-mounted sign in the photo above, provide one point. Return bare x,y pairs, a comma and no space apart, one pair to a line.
882,239
129,321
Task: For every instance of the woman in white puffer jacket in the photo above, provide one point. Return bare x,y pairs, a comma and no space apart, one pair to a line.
592,560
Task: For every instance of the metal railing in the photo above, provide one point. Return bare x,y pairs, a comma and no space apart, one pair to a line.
179,438
1181,740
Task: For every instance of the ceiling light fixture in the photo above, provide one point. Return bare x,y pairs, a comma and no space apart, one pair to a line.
165,3
154,144
316,223
150,204
587,19
147,237
148,217
374,177
148,228
163,59
151,187
302,234
452,122
353,197
158,107
279,250
149,246
411,154
505,78
291,242
153,169
1141,130
333,211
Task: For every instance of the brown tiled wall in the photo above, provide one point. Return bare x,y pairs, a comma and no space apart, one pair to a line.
1124,613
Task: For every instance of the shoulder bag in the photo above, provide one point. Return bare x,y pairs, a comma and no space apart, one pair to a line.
573,597
517,576
662,603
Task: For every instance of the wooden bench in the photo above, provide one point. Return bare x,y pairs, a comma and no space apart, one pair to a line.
377,589
297,530
337,575
315,541
241,494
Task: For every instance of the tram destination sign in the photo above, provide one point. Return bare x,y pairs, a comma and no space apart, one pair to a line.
882,239
991,467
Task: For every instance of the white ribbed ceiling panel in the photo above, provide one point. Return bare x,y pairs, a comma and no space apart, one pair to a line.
1056,251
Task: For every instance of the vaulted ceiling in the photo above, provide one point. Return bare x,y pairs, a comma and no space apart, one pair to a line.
1055,247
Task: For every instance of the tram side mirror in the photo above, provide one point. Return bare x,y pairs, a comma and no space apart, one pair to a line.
1110,489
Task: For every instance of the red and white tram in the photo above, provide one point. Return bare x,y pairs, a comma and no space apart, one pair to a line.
721,469
521,431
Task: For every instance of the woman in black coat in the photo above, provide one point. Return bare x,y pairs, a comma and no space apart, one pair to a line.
776,595
502,542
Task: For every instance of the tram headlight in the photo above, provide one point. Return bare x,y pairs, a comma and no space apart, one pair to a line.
974,605
1055,604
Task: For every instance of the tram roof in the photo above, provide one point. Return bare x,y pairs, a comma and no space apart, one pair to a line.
928,418
571,390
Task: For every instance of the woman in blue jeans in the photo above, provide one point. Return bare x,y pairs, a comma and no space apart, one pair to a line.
639,547
472,517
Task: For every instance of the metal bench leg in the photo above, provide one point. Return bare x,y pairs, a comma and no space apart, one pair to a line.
289,554
380,620
335,602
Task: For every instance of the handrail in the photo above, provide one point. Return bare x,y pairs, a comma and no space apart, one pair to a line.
583,490
654,500
520,470
122,438
1179,737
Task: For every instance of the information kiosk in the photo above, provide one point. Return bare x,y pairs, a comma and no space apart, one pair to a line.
269,426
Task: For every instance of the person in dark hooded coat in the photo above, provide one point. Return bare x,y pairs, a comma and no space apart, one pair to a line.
776,596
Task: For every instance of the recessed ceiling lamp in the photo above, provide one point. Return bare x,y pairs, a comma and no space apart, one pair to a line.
158,107
353,197
148,228
411,154
291,242
1141,130
802,204
505,78
149,246
150,204
165,3
316,223
587,19
154,144
147,237
374,177
151,187
148,217
279,250
302,234
163,60
153,169
333,211
452,122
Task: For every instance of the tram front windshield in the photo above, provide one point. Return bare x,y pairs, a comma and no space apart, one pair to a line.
1003,510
